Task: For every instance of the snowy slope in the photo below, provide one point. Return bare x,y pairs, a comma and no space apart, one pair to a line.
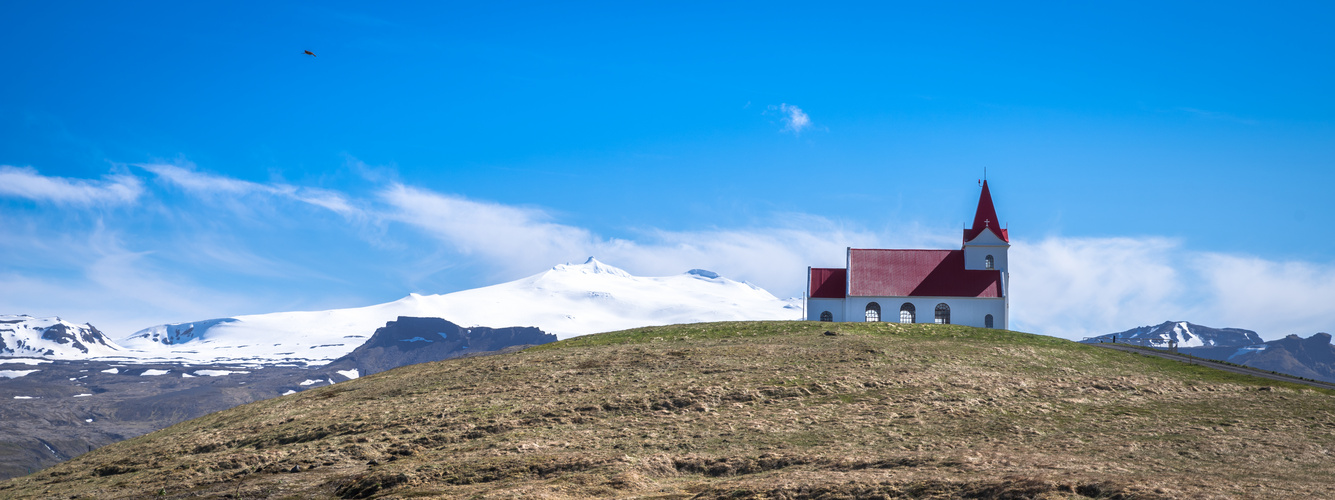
567,300
23,335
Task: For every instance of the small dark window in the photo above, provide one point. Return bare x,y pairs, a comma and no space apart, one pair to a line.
989,263
906,313
987,321
826,316
942,314
873,312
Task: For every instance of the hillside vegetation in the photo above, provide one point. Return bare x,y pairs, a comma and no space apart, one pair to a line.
747,410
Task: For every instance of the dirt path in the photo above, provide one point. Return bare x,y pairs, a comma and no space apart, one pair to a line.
1218,366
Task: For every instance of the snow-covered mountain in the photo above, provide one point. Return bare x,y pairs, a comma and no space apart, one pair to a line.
1186,334
23,335
567,300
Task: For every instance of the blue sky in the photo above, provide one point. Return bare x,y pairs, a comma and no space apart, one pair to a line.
164,162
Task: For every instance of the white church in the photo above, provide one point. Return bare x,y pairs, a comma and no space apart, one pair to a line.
969,286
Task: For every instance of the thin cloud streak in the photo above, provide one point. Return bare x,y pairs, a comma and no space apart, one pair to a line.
27,183
216,185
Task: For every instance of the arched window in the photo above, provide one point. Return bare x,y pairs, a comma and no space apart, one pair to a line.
826,316
987,321
873,312
906,313
942,314
988,262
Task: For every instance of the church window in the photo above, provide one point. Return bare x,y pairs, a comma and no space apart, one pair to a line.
988,262
873,312
826,316
987,321
942,314
906,313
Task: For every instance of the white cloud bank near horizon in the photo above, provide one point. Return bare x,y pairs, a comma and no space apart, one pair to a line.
1069,287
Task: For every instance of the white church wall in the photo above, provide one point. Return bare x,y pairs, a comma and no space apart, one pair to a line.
968,311
817,306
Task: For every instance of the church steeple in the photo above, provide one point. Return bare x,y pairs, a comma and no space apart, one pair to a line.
985,218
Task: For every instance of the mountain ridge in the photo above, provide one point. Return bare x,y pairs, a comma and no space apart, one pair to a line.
1184,333
51,337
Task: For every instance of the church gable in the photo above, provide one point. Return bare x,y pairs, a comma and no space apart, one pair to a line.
827,283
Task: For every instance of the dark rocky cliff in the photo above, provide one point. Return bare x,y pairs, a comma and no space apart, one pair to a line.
409,340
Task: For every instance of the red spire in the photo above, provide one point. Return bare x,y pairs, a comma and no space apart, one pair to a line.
985,218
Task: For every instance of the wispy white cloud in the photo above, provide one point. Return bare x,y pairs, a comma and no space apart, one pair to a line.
507,237
794,119
26,182
192,180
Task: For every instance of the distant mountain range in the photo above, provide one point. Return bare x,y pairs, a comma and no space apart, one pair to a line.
567,300
1313,357
1184,333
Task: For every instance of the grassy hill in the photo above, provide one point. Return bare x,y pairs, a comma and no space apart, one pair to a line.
747,410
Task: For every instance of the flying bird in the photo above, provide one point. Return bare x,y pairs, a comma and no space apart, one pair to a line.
309,53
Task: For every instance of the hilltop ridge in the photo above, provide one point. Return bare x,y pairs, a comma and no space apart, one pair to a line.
747,410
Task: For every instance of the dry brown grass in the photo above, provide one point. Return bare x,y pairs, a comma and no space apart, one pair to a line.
747,410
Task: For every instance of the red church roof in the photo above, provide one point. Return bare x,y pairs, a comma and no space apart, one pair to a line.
985,218
917,273
827,283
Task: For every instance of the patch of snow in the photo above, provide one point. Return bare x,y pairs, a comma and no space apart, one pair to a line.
311,382
112,371
89,420
289,391
82,395
186,375
1182,332
25,361
217,373
50,449
23,397
351,374
16,373
150,373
